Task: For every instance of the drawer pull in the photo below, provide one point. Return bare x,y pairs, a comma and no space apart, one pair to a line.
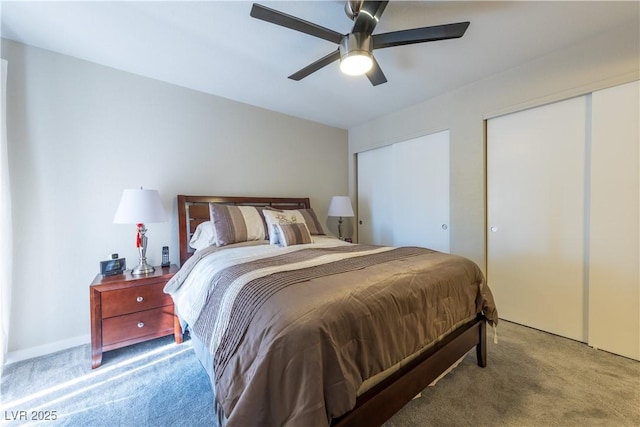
140,324
139,299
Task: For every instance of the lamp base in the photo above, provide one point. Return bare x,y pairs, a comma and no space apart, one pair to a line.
141,242
142,269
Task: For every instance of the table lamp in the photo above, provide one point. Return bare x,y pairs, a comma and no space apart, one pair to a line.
340,206
140,207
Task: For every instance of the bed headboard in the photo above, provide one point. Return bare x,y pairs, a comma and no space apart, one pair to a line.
194,210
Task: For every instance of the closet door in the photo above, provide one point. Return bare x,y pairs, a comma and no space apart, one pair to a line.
535,213
375,195
403,193
614,250
421,192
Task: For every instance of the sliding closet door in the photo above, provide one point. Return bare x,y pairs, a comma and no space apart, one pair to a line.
403,193
421,196
535,208
614,251
375,196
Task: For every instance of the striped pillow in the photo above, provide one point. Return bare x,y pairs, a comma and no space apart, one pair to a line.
235,224
293,234
310,218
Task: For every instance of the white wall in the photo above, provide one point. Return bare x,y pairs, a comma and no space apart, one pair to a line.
609,59
80,133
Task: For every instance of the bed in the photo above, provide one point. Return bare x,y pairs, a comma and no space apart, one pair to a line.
320,333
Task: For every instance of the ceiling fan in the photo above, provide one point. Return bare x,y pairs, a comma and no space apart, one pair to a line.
355,50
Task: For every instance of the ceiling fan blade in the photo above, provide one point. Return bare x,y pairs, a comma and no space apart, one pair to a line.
420,35
375,74
368,16
279,18
315,66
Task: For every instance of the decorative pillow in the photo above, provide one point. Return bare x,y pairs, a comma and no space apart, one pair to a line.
234,224
274,217
293,234
307,216
204,236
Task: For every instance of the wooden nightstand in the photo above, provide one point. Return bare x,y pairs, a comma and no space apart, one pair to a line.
127,309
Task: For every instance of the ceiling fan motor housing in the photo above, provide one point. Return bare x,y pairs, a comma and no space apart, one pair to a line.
356,44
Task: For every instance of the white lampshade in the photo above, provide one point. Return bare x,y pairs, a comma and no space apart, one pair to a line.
138,206
340,206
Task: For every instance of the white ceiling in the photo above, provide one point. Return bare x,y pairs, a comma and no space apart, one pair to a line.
217,48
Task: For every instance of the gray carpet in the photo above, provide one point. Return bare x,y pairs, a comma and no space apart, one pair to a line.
532,379
156,383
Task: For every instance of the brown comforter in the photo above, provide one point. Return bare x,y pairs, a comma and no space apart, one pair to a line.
304,350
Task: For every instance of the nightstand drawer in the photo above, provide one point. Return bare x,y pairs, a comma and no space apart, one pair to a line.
134,299
132,326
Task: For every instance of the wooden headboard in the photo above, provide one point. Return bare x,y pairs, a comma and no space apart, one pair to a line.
194,210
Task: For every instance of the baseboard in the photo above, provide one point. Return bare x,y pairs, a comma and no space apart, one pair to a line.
41,350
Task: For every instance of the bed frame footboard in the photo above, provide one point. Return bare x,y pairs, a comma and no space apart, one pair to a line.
379,404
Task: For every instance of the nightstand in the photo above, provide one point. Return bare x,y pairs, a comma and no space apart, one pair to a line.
127,309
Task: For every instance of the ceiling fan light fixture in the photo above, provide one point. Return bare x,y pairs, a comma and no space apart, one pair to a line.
355,54
356,63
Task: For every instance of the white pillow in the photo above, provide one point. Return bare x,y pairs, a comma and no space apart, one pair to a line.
204,236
